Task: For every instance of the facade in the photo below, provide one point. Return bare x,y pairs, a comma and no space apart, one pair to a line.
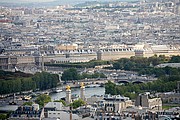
139,53
25,60
94,99
8,61
54,111
144,100
62,115
66,47
27,113
71,59
107,116
170,97
115,103
52,106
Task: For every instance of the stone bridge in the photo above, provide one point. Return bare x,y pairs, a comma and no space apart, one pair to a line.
134,81
102,81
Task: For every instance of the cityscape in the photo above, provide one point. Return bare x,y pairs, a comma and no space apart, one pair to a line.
90,60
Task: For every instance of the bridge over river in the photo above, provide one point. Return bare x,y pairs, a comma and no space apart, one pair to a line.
102,81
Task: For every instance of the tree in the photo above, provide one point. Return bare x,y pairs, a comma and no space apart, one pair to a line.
12,82
175,59
77,103
42,99
28,103
70,74
3,117
110,88
62,101
45,80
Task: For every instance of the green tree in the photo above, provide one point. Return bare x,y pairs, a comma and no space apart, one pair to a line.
28,103
42,99
70,74
45,80
62,101
3,117
175,59
110,88
77,103
16,82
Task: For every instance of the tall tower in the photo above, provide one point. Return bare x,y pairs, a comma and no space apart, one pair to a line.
99,55
82,89
42,63
68,94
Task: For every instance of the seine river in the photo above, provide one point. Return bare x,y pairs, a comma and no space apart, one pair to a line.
76,91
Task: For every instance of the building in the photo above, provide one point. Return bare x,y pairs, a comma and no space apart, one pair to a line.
27,113
171,97
8,61
114,103
62,115
139,53
107,116
147,101
54,111
94,99
67,47
111,107
52,106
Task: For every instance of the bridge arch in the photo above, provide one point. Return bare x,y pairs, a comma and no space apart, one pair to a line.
137,82
123,81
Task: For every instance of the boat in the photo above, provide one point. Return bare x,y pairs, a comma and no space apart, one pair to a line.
57,90
92,86
26,98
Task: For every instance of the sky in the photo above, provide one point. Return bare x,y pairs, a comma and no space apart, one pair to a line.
51,2
31,1
25,1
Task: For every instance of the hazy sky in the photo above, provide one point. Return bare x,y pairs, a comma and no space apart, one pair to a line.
60,2
25,1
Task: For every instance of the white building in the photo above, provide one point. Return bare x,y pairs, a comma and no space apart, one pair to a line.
62,115
115,103
54,111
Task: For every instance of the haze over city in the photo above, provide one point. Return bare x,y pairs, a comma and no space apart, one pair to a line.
89,60
58,1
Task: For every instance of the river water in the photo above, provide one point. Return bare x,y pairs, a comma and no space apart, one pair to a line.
76,91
